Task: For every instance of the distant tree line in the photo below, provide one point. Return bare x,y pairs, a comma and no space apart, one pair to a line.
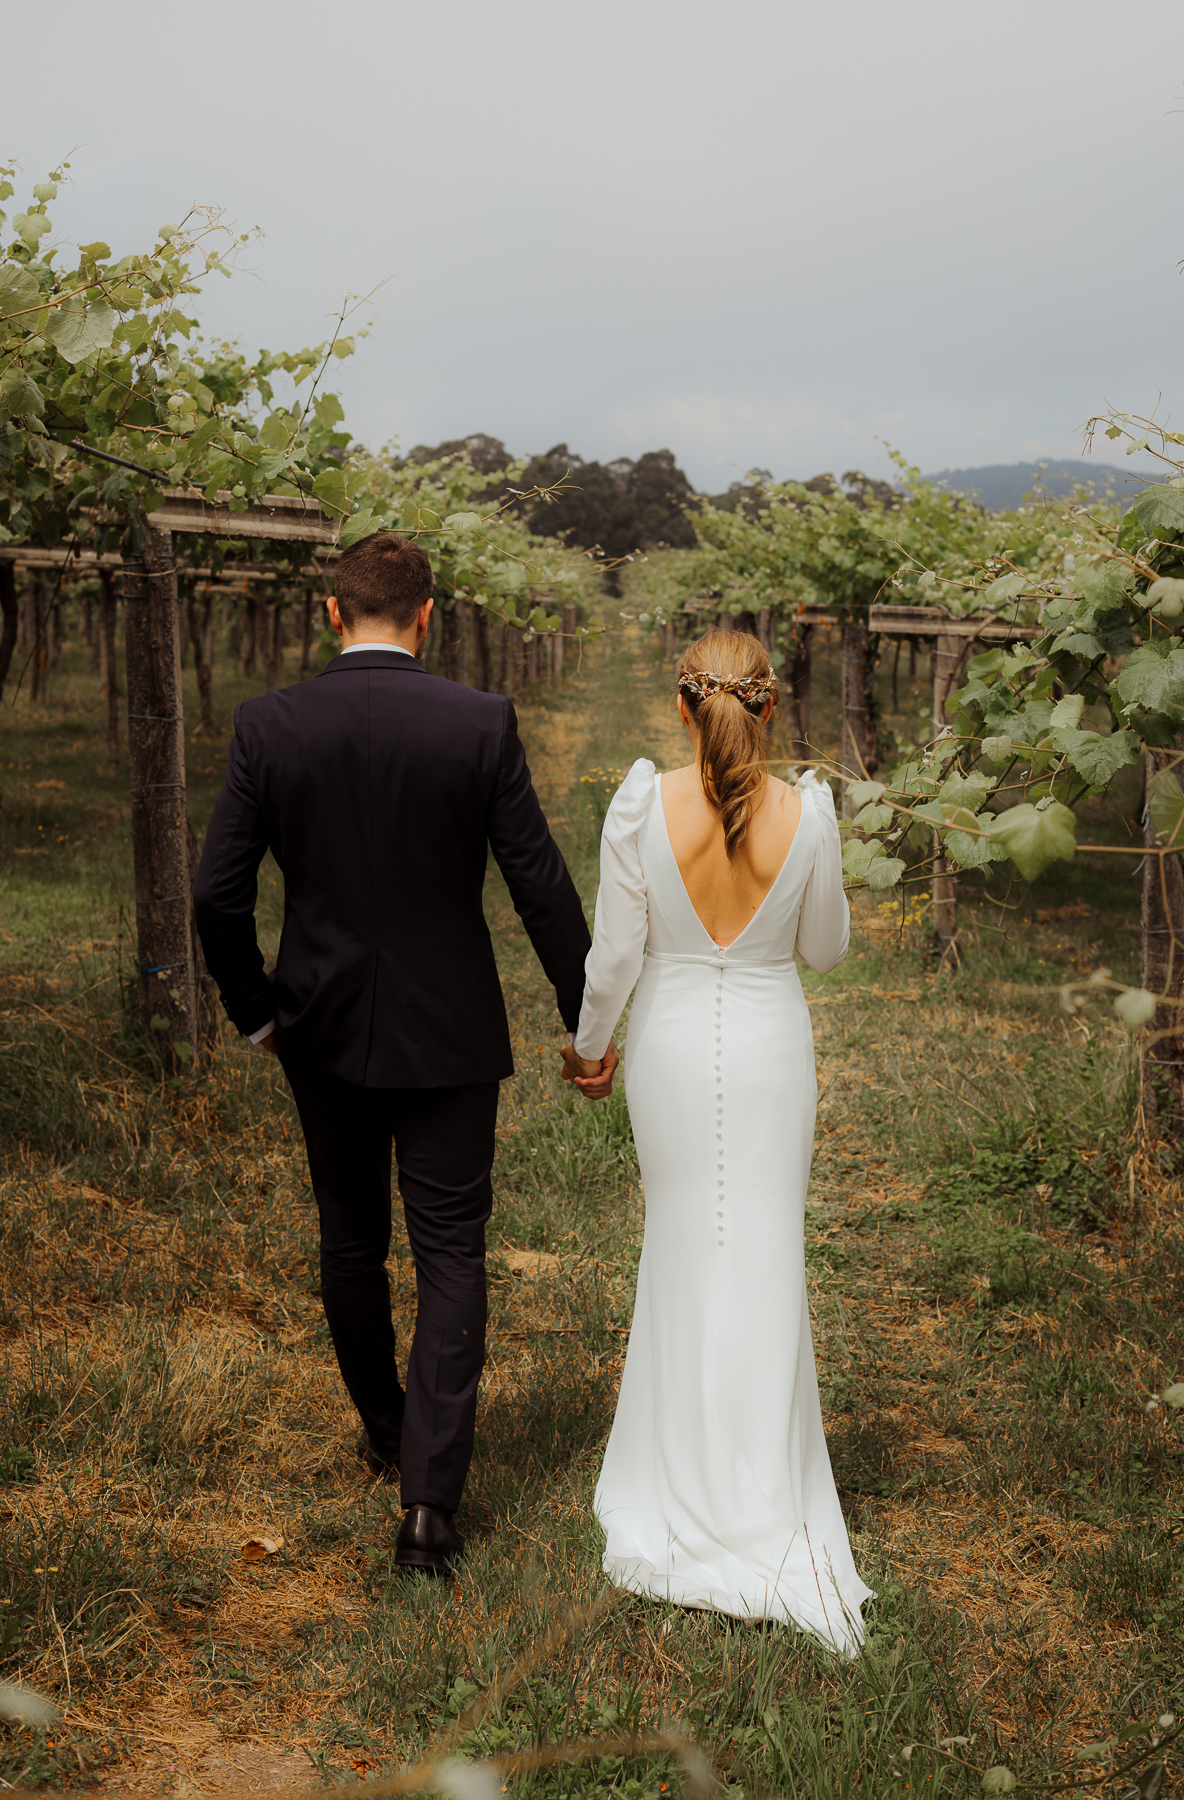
623,505
620,506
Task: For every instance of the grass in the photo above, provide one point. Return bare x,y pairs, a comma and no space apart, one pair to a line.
997,1277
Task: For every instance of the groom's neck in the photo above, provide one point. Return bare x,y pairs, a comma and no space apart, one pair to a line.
380,631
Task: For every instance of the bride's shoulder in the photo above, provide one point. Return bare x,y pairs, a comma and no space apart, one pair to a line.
639,780
815,791
633,798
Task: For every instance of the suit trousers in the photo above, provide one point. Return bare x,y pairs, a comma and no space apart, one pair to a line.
443,1142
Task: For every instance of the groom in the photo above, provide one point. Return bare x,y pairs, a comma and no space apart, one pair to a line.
378,789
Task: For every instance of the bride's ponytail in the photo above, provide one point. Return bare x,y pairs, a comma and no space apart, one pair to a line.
727,681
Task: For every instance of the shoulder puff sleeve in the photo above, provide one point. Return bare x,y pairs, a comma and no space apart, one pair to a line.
824,925
622,915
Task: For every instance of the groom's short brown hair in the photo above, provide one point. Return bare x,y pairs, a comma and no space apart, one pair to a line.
382,577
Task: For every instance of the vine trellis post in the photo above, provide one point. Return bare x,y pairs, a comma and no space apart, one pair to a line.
107,662
1162,960
176,995
165,946
858,753
948,652
9,618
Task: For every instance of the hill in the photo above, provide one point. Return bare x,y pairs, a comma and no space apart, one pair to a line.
1000,486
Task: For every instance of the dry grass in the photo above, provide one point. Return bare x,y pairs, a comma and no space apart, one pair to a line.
169,1391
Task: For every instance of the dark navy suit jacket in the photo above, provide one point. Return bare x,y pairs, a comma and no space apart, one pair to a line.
378,788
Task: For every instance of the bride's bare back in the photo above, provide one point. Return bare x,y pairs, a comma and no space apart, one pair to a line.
726,895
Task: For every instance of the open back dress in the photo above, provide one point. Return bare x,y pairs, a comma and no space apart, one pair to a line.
716,1489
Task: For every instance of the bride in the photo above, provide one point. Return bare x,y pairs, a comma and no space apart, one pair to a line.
716,1489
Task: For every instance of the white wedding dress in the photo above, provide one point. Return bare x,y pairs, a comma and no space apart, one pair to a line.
716,1489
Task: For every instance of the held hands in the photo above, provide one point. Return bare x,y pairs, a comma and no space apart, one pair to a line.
594,1079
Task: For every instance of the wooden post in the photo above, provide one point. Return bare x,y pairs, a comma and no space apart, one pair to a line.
1161,966
725,622
764,629
531,654
273,641
454,638
39,653
568,641
86,621
108,664
948,651
797,694
858,754
160,824
199,618
305,634
250,630
9,618
485,667
55,629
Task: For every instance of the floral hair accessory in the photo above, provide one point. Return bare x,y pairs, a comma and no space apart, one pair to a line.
750,690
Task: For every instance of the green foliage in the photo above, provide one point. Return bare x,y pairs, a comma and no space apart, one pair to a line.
99,360
1167,805
102,353
1034,836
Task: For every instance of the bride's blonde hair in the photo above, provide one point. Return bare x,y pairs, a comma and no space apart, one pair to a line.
727,681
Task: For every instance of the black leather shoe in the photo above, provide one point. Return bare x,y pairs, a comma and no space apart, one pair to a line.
428,1541
385,1467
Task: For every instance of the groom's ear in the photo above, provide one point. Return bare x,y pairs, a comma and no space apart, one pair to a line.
335,618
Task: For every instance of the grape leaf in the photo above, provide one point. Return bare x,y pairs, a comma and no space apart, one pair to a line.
1067,712
884,872
76,331
329,488
20,397
1158,509
966,790
1152,679
358,525
1167,805
1007,587
1035,836
1097,759
973,852
18,289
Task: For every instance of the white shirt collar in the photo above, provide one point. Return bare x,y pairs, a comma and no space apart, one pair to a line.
350,648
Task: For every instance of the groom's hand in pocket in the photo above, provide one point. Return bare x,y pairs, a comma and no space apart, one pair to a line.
594,1080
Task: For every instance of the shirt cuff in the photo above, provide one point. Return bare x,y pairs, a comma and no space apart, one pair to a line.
257,1037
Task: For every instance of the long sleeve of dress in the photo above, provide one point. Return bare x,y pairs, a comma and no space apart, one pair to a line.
824,926
622,915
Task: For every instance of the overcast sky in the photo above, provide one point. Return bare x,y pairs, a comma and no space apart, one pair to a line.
763,234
